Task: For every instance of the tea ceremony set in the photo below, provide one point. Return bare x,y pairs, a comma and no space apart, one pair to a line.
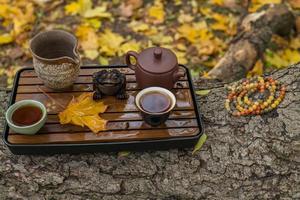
59,106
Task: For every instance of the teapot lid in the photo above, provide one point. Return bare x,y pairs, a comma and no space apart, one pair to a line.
157,60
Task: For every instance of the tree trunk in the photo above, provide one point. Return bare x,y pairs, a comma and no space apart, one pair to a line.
253,157
254,34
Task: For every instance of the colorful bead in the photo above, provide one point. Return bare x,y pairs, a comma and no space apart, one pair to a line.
254,96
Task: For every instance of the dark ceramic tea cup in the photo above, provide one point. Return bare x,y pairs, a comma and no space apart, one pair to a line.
155,104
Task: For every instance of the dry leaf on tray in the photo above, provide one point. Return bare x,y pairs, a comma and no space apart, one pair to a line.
84,111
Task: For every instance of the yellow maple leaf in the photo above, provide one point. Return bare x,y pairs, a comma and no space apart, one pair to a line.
78,7
22,19
129,45
100,11
84,8
151,31
110,42
138,26
205,34
283,58
200,25
185,18
4,12
295,43
168,46
189,32
219,26
217,2
5,38
103,60
276,60
201,37
161,39
206,11
197,32
91,53
19,15
256,4
181,56
209,63
257,70
73,8
156,12
141,27
181,47
292,56
88,40
94,122
93,22
227,24
205,75
211,46
84,111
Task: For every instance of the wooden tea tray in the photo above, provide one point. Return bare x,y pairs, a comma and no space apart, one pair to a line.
125,128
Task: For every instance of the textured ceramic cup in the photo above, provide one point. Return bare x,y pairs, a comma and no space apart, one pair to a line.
155,118
55,58
31,129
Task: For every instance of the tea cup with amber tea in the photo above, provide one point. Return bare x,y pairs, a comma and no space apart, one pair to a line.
26,116
155,104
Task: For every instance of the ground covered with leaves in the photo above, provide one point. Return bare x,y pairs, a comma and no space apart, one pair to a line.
199,32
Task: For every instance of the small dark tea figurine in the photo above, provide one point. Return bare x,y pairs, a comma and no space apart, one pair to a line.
109,82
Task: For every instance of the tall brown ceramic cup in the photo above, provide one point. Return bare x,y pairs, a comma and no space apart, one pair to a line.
155,66
55,58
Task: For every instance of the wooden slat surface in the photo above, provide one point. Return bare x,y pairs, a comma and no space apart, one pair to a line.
124,120
183,97
23,89
129,116
29,77
83,72
79,80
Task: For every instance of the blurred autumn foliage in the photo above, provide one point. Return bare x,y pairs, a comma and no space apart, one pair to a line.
198,31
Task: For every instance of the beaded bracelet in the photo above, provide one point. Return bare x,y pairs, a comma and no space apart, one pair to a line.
254,96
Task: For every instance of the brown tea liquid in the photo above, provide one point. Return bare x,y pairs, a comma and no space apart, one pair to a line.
26,115
155,102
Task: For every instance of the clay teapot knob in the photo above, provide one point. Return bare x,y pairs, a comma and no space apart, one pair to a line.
157,53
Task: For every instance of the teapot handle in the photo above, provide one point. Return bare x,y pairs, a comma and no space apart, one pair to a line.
127,57
178,74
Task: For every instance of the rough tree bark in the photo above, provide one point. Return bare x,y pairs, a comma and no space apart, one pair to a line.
253,36
243,158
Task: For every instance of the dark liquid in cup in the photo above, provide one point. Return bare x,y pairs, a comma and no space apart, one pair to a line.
27,115
155,102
